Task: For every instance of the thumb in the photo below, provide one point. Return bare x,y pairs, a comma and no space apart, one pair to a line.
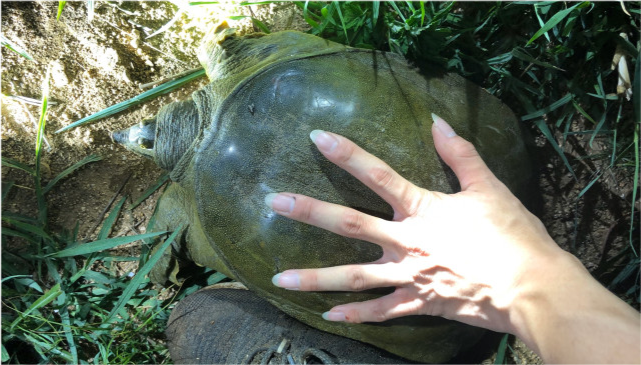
460,155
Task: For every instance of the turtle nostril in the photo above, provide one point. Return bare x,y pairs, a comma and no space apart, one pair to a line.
118,137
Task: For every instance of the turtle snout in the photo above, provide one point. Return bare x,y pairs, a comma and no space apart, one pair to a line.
120,137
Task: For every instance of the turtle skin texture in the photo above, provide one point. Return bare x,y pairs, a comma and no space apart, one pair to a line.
245,135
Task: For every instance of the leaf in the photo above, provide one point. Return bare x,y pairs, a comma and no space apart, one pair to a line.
111,219
140,276
598,127
589,185
8,162
45,348
375,11
216,278
548,134
5,354
167,25
161,180
518,53
636,87
535,2
69,335
90,10
557,104
10,232
61,5
147,95
256,22
6,188
558,17
69,170
629,269
100,245
340,16
45,299
42,205
635,187
14,47
28,228
500,353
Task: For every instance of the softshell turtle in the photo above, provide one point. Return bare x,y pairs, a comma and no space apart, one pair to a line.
245,135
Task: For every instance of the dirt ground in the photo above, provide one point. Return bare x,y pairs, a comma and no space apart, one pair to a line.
100,62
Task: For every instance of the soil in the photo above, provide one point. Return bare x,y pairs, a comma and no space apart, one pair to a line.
100,62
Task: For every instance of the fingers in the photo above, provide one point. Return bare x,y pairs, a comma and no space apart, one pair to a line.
341,220
343,278
460,155
403,196
398,304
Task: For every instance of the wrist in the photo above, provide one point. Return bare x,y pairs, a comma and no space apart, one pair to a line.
565,315
548,288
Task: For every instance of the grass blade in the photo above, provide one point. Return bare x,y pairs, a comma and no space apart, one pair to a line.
147,95
598,127
14,47
376,5
589,185
340,16
519,53
500,353
29,228
90,10
5,354
535,2
45,348
161,180
168,25
66,326
548,134
61,5
541,112
637,119
29,238
556,19
140,276
398,11
111,219
42,204
101,245
45,299
8,162
635,186
69,170
256,22
6,188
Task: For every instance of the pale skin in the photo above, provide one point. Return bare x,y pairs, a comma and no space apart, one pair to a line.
477,257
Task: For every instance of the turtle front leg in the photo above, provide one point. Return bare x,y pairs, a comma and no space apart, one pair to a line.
176,208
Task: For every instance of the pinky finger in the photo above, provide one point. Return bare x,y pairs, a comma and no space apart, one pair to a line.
398,304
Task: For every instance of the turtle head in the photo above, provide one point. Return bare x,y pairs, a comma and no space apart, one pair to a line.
139,138
166,137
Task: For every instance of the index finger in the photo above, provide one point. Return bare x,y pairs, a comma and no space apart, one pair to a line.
402,195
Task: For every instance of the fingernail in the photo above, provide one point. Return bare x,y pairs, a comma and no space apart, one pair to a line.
334,316
287,280
442,126
324,141
280,203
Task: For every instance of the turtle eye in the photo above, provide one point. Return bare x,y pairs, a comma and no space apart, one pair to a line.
145,143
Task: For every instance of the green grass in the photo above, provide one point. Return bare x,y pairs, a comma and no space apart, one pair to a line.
62,299
549,61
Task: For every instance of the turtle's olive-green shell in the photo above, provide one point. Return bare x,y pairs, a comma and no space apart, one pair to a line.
250,138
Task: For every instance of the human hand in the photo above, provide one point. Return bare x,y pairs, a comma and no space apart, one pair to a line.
461,256
477,256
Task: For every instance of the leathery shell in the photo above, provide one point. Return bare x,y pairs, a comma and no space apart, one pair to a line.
268,92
